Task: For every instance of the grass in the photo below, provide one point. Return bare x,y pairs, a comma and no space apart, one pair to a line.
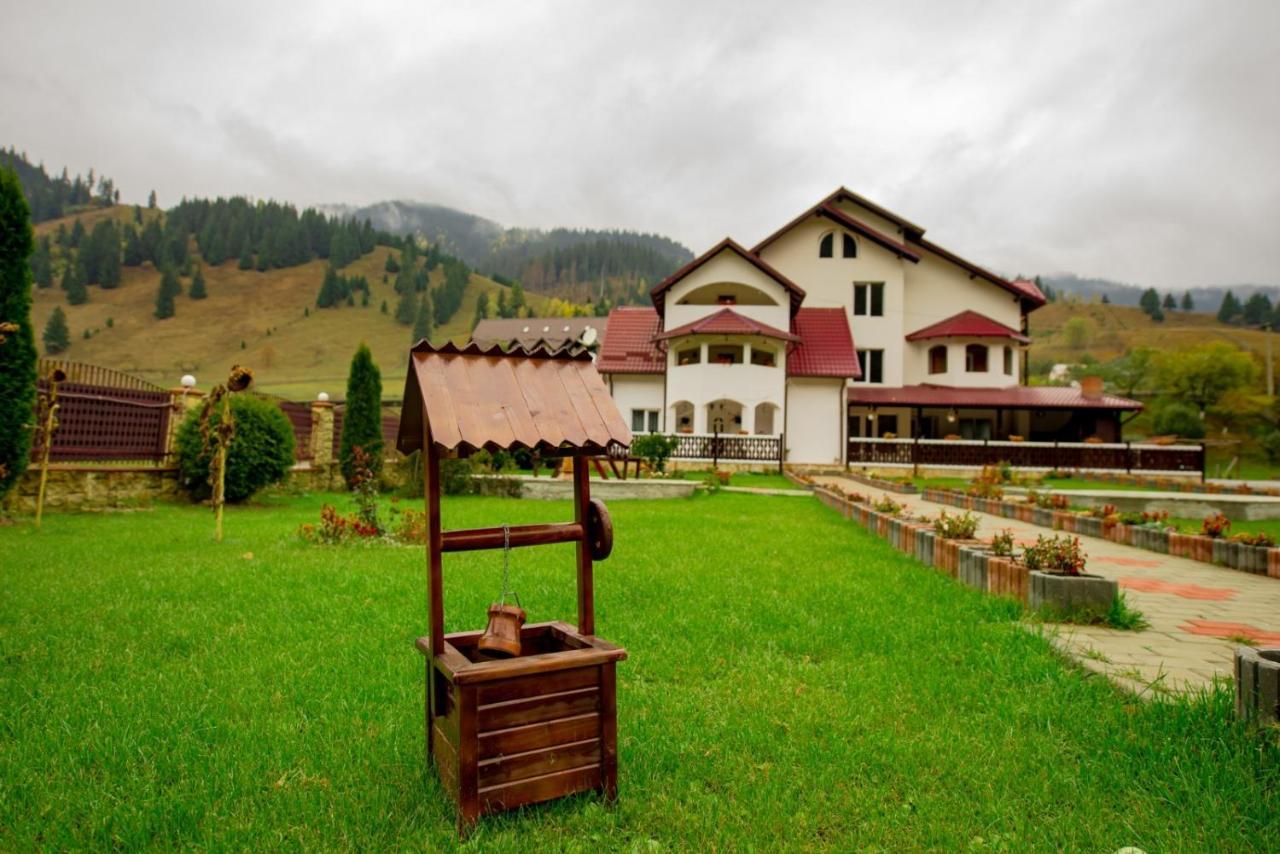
1053,483
1238,526
755,480
792,682
293,354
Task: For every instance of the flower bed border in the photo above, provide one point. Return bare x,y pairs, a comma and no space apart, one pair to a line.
1256,560
881,483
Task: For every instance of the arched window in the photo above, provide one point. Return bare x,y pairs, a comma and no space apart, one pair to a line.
975,358
938,359
826,247
850,248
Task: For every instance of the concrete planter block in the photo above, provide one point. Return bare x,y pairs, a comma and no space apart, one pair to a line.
1221,552
973,568
1071,594
1258,685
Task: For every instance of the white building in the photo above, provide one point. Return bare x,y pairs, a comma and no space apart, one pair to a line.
762,342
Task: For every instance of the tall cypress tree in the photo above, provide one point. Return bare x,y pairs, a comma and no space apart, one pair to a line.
362,421
18,350
57,337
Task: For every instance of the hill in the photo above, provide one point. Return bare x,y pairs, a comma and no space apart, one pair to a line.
1205,298
266,320
580,265
1112,329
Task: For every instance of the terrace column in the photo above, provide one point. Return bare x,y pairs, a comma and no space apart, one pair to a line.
321,433
182,402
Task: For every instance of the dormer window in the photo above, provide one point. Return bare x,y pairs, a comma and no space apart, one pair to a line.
826,247
850,248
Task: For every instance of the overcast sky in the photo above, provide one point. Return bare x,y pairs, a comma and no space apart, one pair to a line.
1135,141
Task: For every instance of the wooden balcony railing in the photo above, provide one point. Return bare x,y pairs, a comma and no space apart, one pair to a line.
729,447
1114,456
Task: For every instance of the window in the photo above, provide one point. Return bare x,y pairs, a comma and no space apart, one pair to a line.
975,358
1008,360
644,421
724,354
689,356
827,246
886,424
872,363
763,358
868,299
938,359
850,248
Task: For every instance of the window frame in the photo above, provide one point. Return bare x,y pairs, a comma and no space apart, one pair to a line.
946,358
971,353
872,363
868,299
648,419
827,245
848,246
1008,361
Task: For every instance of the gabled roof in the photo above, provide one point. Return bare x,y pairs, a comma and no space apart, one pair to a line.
1030,290
968,324
1011,397
660,289
1018,289
826,345
828,210
470,398
726,321
628,342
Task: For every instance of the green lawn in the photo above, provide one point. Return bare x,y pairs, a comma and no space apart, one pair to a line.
793,683
751,479
1239,526
1052,483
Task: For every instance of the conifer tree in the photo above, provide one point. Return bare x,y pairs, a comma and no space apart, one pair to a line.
482,309
1187,304
362,421
170,287
1230,308
57,337
133,255
42,263
1257,309
77,234
246,254
422,322
151,200
406,308
384,307
1169,302
73,283
197,290
18,349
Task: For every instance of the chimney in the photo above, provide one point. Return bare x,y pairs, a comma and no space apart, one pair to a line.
1091,388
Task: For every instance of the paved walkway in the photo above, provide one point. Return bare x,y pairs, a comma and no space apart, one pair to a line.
1198,612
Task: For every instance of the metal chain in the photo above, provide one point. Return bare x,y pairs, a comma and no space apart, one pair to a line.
506,568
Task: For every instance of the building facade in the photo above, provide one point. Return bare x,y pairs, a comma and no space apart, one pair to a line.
846,323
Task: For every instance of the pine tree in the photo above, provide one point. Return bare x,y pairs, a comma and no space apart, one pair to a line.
1187,304
73,283
170,287
18,351
1257,309
1150,301
362,421
77,234
1170,303
503,311
197,290
422,322
406,308
1230,308
133,255
246,254
330,289
42,263
482,309
151,200
57,337
384,306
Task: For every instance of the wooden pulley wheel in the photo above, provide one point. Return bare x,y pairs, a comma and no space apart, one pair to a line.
599,530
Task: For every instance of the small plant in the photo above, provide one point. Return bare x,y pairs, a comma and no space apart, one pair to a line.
655,449
711,482
987,484
1103,512
364,485
1255,538
1215,526
335,529
960,527
1002,543
1060,555
1052,501
887,505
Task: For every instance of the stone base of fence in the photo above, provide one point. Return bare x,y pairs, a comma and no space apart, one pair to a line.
74,487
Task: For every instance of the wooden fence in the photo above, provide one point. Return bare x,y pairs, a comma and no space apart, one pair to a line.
729,447
1113,456
104,416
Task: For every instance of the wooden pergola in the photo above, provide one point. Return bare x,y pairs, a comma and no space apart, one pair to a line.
504,732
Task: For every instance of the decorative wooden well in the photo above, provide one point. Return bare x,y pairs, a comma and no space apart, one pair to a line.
508,732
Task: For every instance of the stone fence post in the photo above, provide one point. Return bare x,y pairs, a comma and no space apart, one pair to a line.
182,402
321,434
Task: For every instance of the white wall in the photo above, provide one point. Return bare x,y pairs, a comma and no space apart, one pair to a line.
917,366
727,266
938,289
638,391
749,385
815,421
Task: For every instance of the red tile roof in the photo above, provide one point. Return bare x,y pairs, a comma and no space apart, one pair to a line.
826,345
628,342
1029,288
660,289
968,324
726,321
1013,397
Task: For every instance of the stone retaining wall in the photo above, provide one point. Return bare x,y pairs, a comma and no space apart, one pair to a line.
73,487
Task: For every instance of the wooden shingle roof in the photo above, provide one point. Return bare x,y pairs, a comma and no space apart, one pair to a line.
552,401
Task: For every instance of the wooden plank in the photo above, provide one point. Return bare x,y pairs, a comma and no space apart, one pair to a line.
529,379
538,685
491,420
608,732
515,407
446,762
528,665
522,739
542,788
557,396
584,406
437,400
586,583
535,763
468,758
532,710
435,571
466,401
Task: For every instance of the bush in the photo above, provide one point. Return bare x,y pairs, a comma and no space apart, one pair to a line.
961,527
261,452
1179,419
1002,543
1061,555
654,449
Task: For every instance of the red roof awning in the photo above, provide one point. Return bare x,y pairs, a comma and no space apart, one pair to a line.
726,321
826,345
968,324
628,342
1013,397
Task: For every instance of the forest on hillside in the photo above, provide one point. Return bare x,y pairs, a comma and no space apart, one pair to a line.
50,197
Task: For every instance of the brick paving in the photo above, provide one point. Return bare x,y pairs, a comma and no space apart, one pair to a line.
1198,613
